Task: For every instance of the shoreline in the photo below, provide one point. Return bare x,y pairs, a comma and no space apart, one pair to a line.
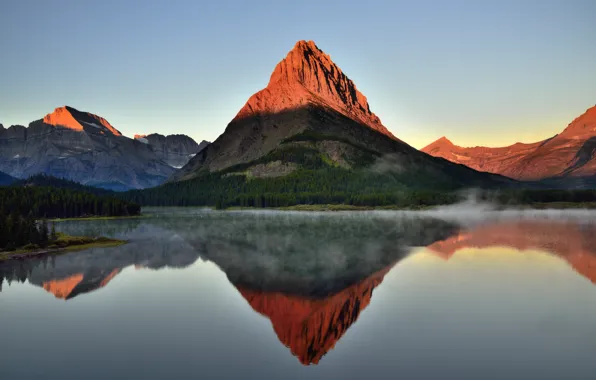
344,207
67,245
89,218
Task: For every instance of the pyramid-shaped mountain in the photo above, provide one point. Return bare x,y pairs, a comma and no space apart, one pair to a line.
311,116
567,156
310,328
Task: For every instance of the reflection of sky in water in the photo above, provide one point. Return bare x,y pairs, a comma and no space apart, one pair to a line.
487,313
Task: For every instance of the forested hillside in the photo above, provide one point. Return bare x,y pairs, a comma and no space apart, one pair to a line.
44,180
49,202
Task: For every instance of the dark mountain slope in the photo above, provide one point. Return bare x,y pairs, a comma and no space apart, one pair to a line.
5,179
311,130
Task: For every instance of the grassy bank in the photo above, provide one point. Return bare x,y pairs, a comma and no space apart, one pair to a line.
64,243
345,207
87,218
332,207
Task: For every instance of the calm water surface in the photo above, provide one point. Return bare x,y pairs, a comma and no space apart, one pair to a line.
265,295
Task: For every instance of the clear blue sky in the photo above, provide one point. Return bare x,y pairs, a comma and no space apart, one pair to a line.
480,72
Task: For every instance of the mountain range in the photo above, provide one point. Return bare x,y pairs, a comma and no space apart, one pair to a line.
569,155
86,148
311,121
310,129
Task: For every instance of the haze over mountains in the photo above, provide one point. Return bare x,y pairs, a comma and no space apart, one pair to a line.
569,154
86,148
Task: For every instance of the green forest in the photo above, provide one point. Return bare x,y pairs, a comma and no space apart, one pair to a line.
23,210
319,180
304,186
17,231
50,202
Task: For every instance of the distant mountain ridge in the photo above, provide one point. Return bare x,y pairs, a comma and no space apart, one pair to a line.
175,150
84,148
569,154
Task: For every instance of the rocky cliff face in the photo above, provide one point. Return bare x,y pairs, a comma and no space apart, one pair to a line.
308,94
307,76
572,153
81,147
175,150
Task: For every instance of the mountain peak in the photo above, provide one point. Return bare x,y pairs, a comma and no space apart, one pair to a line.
70,118
442,143
444,140
301,62
308,76
62,117
583,126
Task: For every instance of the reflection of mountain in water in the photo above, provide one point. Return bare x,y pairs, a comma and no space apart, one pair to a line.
74,285
294,254
312,327
573,242
310,256
311,276
70,275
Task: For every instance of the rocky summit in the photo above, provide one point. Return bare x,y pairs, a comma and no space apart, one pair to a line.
307,76
568,155
81,147
310,108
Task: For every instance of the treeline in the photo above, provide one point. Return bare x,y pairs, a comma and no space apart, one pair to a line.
400,199
17,231
322,186
334,186
44,180
48,202
529,196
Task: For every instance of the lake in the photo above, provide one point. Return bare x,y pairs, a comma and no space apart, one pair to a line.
451,294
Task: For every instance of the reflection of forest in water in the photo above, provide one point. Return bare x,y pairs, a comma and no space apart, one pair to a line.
303,255
307,255
310,275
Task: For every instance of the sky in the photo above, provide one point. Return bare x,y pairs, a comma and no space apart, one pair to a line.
479,72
